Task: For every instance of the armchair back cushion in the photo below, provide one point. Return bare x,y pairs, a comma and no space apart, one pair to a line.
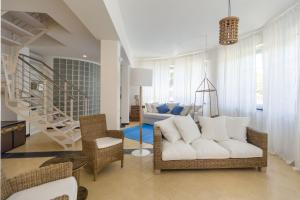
93,126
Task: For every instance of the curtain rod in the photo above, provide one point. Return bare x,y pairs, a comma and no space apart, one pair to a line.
172,57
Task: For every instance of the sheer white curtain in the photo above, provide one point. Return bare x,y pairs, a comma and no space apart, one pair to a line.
188,73
281,85
237,78
159,92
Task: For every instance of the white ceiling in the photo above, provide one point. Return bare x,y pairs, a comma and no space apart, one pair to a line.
74,42
157,28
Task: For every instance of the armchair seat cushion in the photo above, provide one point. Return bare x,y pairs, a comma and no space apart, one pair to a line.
238,149
105,142
51,190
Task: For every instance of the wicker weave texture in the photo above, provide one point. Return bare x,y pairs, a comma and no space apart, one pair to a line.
229,30
37,177
64,197
254,137
93,127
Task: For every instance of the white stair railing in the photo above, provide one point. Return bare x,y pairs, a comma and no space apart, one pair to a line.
29,89
33,91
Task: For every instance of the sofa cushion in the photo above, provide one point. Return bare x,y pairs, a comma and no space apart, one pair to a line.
177,110
186,110
148,107
162,108
239,149
169,129
178,150
158,116
213,128
237,127
187,127
209,149
105,142
51,190
171,106
154,105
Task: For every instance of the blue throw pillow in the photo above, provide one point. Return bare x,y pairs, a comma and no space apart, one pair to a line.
162,108
177,110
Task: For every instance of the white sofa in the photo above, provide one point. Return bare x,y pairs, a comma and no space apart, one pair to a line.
151,115
179,144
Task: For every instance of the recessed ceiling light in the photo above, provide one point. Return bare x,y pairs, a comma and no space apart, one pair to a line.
84,55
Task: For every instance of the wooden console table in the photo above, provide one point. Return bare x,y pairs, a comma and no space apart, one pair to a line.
134,113
13,134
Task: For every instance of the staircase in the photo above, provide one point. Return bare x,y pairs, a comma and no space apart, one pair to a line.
29,81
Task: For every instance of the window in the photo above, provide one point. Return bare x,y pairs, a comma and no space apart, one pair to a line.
259,78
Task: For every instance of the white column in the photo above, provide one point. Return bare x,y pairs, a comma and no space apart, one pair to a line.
110,82
125,94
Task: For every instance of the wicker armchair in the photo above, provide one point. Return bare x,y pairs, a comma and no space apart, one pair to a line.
92,128
35,178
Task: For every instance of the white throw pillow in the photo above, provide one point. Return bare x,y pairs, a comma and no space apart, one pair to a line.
168,129
171,106
237,127
213,128
154,109
148,107
188,128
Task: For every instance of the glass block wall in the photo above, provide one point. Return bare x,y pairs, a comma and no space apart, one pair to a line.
83,80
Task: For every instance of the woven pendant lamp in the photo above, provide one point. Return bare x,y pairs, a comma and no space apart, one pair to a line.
229,28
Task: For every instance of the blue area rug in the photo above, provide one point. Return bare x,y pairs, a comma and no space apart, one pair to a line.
133,133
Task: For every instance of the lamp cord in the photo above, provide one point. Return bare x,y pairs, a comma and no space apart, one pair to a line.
229,8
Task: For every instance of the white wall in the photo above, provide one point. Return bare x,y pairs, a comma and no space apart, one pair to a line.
125,69
6,114
110,82
134,90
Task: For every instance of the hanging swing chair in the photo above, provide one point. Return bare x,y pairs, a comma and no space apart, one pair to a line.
207,92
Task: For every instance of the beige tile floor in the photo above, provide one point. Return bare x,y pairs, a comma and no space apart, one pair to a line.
137,181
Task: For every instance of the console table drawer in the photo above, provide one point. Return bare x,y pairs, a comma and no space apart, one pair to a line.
19,135
13,134
6,139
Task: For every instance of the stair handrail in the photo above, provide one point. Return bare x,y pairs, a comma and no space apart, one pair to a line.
44,76
45,83
51,69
